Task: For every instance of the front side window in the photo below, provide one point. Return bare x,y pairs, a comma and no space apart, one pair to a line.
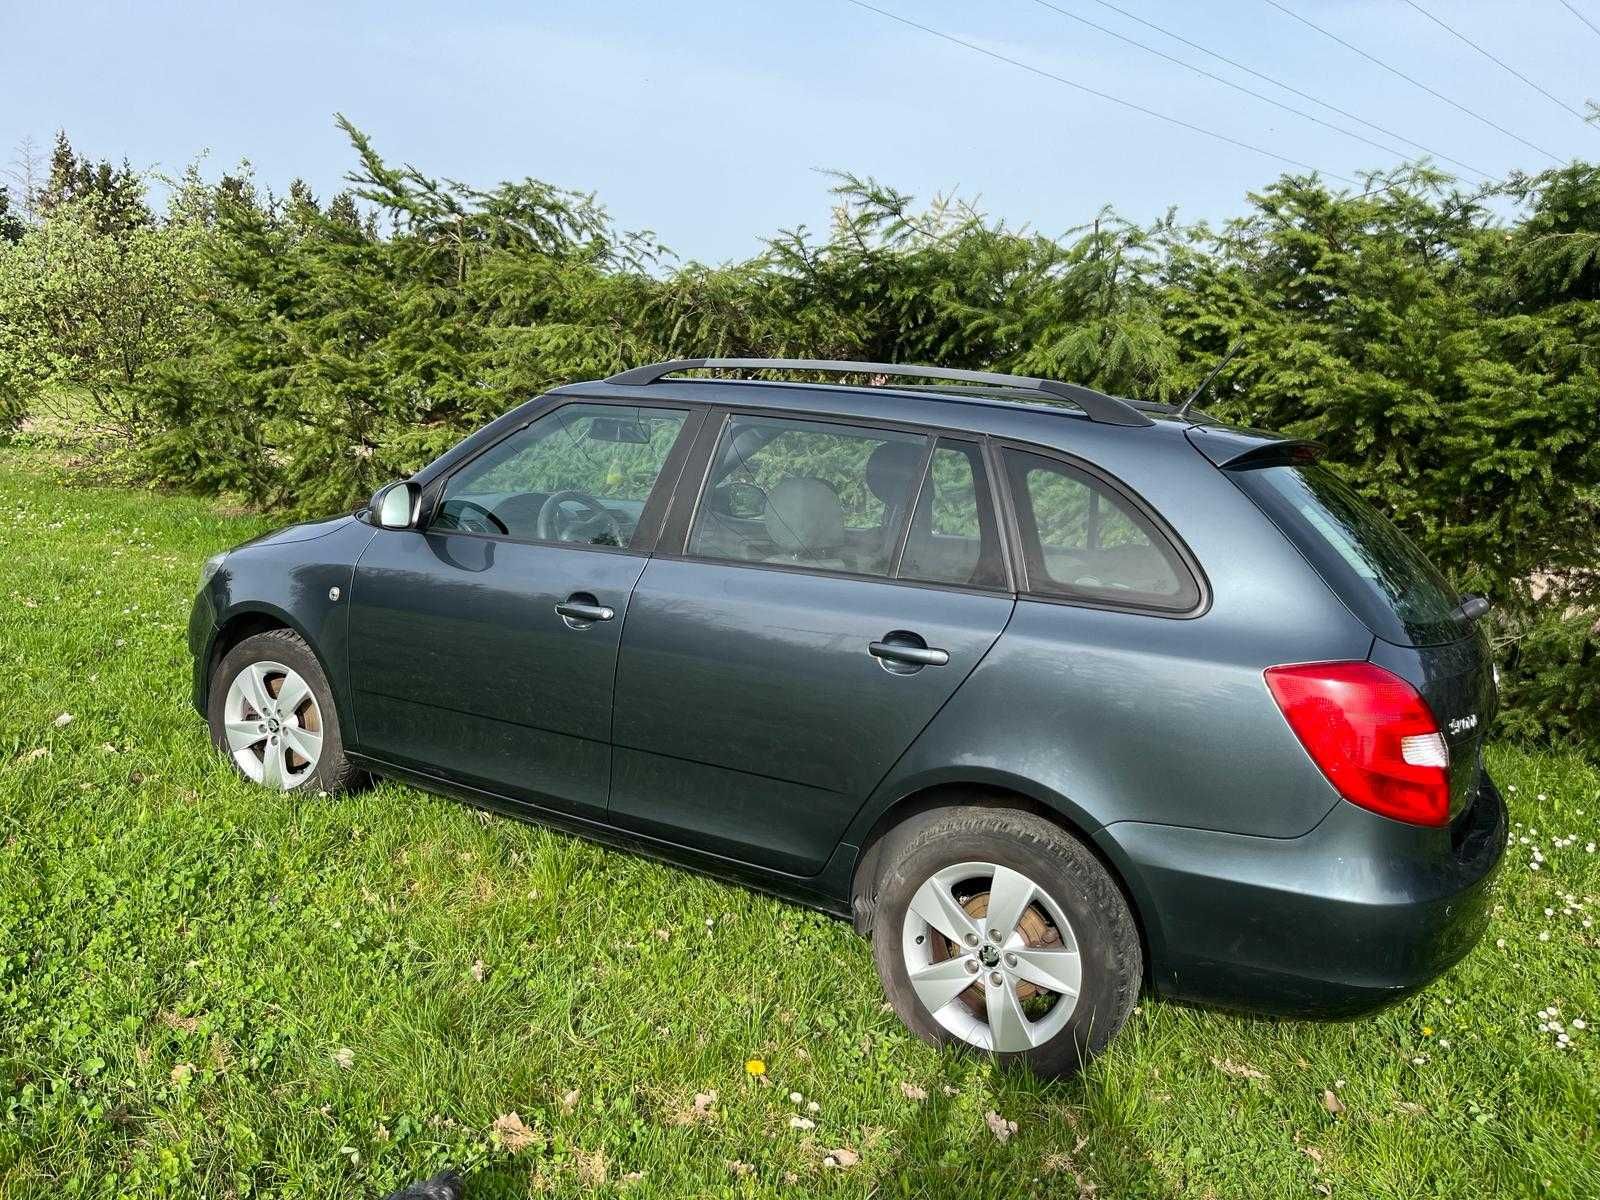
581,473
1081,539
808,493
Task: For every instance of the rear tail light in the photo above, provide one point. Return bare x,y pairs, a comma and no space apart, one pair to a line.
1371,734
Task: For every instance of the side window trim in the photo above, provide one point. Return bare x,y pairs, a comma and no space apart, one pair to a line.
1122,492
674,539
1005,519
988,509
896,559
651,516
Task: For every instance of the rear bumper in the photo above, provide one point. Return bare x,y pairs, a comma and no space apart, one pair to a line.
1355,914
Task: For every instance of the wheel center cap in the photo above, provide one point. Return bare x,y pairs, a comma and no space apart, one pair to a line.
272,724
989,956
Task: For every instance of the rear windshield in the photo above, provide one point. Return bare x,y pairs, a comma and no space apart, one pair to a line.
1375,569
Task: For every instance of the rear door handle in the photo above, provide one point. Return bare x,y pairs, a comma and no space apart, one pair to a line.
577,610
902,652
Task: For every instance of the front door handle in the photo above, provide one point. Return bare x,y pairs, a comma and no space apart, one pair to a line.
574,609
904,652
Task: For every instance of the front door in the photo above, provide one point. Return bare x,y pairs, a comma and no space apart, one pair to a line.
483,647
773,672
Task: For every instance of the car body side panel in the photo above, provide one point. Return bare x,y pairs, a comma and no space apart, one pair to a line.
1109,716
462,666
1114,716
750,716
286,577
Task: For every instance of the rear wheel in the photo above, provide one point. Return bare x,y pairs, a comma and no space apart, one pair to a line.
998,931
271,712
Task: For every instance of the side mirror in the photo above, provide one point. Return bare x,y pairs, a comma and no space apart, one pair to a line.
394,506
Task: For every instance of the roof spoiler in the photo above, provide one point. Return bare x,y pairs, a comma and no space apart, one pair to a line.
1097,406
1243,449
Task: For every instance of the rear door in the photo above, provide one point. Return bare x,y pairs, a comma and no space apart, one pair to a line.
483,647
808,613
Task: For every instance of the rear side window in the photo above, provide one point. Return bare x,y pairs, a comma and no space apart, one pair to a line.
1378,571
806,493
1083,540
954,537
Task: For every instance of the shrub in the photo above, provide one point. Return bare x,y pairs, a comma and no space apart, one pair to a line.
90,304
1550,683
300,355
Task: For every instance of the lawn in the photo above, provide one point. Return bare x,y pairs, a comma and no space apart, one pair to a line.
206,990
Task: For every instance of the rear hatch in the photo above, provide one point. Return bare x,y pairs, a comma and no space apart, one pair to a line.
1386,580
1457,681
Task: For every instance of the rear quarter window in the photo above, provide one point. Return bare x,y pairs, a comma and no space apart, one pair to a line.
1374,568
1082,540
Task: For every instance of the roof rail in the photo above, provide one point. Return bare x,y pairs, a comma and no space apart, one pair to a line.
1108,410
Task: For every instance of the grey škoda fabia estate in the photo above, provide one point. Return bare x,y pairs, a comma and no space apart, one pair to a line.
1056,695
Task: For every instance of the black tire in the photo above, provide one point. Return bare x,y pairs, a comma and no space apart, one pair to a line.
1110,955
333,771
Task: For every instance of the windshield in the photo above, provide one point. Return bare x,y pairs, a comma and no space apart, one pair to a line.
1378,571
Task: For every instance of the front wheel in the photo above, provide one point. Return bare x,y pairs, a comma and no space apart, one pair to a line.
998,931
271,712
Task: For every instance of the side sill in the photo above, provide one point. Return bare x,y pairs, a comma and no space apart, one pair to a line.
795,889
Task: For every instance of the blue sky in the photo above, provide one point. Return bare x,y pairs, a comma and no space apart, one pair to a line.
708,122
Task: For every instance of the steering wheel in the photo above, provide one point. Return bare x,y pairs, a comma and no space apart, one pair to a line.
471,523
556,526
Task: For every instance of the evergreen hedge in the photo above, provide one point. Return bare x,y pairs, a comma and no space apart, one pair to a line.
1443,343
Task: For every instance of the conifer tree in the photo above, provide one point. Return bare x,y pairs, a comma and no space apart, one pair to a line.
11,226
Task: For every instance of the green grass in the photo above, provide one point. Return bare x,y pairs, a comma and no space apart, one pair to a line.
183,960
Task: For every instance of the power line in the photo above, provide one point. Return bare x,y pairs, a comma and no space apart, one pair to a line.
1289,12
1289,87
1062,79
1501,63
1579,14
1238,87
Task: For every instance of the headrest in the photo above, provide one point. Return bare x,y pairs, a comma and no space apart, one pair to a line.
890,470
803,514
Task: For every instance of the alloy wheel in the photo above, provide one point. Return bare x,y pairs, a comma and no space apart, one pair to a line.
992,956
273,725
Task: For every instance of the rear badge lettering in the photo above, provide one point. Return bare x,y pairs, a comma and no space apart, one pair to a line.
1462,725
